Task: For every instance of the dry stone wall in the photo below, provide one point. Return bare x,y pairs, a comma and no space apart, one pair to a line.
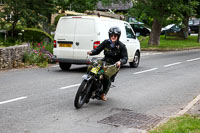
12,57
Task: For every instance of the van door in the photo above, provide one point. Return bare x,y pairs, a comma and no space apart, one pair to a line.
84,37
131,42
65,38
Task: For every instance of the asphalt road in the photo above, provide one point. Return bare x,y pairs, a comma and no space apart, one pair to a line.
40,100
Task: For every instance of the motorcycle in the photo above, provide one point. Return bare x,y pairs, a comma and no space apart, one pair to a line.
92,84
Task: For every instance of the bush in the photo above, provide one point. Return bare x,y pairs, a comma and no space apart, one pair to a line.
35,35
40,55
32,35
9,42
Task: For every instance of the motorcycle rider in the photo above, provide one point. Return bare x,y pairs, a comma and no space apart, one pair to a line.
115,53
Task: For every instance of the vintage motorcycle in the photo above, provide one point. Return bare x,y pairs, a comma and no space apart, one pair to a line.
92,84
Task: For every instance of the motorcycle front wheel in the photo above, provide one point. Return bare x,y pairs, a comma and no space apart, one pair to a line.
82,94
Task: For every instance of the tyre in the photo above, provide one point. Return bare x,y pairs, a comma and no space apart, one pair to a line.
82,94
136,60
64,66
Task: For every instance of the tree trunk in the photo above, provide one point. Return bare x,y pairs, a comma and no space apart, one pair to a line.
185,29
199,33
155,33
13,29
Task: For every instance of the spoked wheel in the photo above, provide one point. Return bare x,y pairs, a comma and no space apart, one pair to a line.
82,94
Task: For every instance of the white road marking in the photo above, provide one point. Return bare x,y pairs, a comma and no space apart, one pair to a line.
13,100
146,71
62,88
172,64
150,53
54,66
193,59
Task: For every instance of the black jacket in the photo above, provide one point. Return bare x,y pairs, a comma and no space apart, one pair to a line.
112,54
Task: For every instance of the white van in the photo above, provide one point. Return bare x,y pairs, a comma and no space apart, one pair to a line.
75,35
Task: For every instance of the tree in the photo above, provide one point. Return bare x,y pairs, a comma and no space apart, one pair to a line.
162,13
187,9
13,10
39,13
30,13
198,40
158,11
198,16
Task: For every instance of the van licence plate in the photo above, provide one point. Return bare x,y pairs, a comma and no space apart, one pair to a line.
65,45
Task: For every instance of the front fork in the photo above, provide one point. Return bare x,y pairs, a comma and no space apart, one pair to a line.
96,89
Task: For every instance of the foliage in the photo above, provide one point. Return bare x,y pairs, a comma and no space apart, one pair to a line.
40,55
14,8
29,13
167,12
9,41
38,12
198,11
2,22
157,11
198,16
170,43
77,5
145,10
32,35
182,124
57,18
35,35
188,8
161,13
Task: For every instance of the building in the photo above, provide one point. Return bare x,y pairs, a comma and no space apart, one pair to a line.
115,6
1,5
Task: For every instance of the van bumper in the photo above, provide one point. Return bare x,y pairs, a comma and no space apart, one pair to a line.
70,61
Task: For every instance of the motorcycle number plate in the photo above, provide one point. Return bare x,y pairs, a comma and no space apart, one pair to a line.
95,70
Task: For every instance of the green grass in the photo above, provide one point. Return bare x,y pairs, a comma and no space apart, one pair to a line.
171,43
182,124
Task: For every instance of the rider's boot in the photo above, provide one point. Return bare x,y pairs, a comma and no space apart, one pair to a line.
103,97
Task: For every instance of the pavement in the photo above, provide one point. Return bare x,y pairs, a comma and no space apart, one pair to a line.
195,109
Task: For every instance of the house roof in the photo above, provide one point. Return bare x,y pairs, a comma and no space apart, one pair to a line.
119,6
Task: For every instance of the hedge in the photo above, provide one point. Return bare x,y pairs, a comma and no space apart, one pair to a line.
35,35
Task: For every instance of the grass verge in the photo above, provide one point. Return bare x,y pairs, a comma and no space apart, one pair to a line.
171,43
182,124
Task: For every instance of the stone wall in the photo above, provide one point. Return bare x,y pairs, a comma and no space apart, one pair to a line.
12,57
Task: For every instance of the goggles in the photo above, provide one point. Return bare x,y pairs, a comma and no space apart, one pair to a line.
114,31
114,35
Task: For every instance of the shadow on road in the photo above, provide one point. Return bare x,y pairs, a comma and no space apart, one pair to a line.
79,69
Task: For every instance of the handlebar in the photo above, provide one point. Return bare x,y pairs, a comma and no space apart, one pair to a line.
104,63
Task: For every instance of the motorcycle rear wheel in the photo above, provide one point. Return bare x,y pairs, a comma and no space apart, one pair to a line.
82,94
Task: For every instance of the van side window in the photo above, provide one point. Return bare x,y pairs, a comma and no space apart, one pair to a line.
129,32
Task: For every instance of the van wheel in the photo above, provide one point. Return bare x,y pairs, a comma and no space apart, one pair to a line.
136,60
64,66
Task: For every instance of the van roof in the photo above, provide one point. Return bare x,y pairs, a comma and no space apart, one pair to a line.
93,17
